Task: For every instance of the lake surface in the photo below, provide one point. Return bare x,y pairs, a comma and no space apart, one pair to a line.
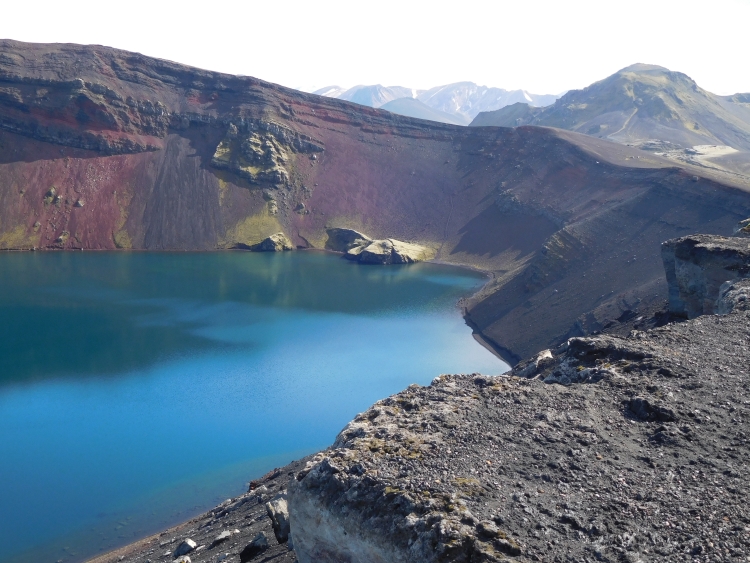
139,389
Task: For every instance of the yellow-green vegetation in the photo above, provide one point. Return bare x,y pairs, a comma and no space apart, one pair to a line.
393,491
18,238
409,448
122,239
317,239
50,196
468,487
223,188
252,230
120,236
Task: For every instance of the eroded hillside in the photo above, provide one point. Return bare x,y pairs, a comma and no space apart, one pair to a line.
105,149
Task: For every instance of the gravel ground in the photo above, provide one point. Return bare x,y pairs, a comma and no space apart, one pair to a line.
612,449
246,513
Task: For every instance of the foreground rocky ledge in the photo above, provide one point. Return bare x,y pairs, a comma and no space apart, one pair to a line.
607,449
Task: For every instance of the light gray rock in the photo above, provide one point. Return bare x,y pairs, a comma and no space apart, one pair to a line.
354,252
342,240
742,229
377,252
391,251
408,253
275,243
360,247
221,538
183,559
278,512
186,546
696,266
733,296
254,548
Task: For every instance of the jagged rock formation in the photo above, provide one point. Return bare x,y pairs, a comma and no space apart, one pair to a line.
166,156
608,449
697,266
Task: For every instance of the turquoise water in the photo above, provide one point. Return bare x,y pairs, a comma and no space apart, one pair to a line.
138,389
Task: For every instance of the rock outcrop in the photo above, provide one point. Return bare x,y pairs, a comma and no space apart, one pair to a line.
389,251
343,240
275,243
697,266
363,249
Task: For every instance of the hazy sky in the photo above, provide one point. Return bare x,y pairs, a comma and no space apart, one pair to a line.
542,46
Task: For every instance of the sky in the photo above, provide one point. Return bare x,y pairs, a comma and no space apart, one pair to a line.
542,46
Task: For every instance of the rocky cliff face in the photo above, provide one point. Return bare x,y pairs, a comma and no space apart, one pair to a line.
105,149
698,267
605,448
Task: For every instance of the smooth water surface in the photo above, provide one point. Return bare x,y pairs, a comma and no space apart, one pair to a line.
138,389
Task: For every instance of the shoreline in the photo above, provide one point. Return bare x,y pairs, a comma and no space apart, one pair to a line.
471,286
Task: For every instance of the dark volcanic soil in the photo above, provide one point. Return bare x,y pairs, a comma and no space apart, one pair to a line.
617,450
246,514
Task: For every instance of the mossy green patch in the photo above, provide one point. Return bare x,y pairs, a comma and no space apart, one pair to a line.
18,238
122,239
252,230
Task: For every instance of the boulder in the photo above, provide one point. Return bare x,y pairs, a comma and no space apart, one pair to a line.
275,243
279,514
254,548
221,538
733,296
343,240
377,252
183,559
186,546
696,266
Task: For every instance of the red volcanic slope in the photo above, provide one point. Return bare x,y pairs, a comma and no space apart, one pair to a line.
104,149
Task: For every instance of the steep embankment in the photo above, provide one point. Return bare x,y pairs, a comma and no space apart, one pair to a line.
608,449
104,149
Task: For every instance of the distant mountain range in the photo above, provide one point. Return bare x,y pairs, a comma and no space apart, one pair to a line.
640,104
457,103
